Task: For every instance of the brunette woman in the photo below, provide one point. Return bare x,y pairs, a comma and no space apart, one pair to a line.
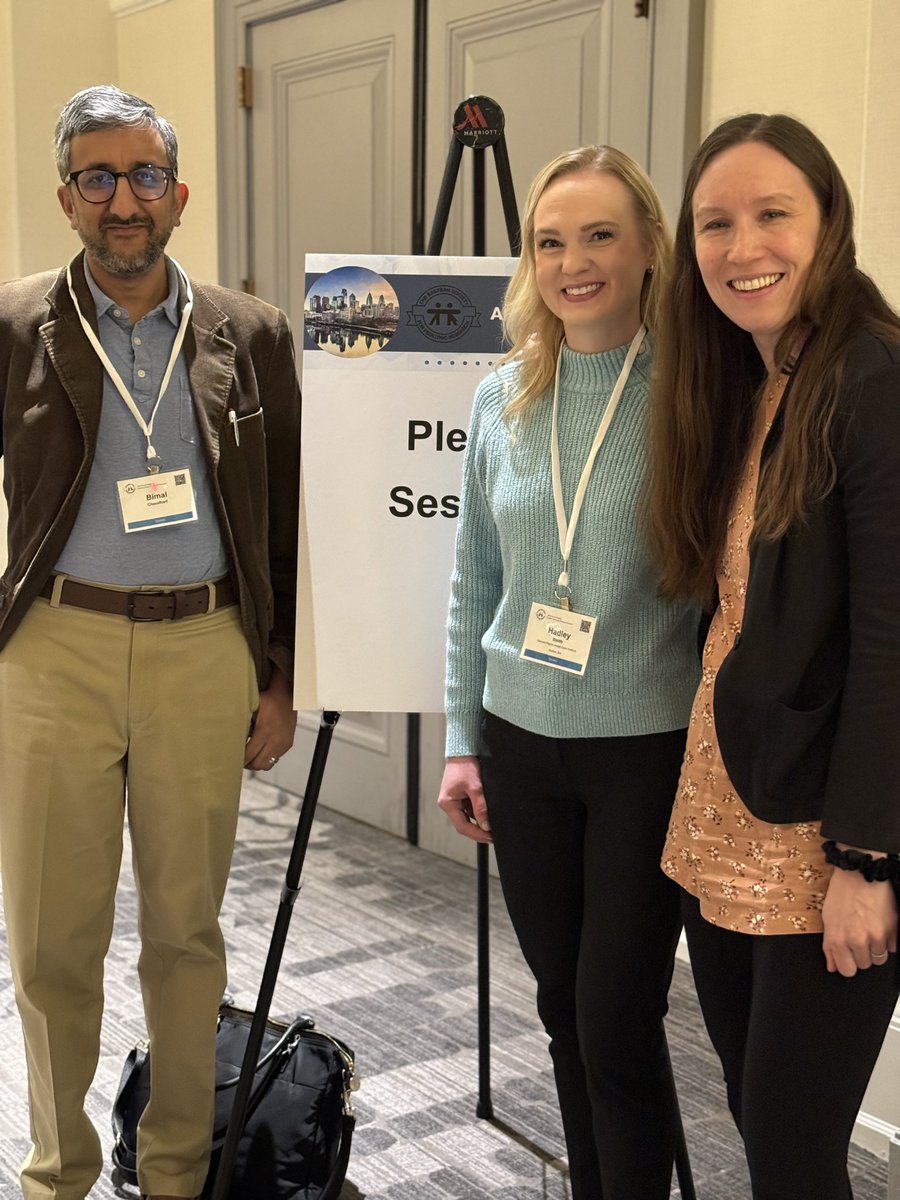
569,681
776,500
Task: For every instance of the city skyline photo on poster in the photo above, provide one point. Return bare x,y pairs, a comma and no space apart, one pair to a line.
350,311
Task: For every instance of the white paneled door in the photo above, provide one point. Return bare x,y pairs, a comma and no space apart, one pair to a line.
330,171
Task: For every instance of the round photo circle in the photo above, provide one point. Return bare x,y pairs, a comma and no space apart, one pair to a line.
351,312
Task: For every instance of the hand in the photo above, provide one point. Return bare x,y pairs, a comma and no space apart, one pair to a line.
274,725
860,923
462,798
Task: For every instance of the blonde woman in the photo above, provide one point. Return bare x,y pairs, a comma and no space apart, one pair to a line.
568,681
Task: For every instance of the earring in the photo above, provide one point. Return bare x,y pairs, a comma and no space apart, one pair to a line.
650,269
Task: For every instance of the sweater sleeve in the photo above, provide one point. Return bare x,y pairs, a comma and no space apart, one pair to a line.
477,580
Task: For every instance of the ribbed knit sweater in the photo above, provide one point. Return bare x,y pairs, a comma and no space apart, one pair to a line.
643,668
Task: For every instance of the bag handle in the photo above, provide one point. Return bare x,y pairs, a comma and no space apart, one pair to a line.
303,1023
270,1062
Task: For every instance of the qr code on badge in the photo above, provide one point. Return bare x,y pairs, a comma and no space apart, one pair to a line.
585,627
179,479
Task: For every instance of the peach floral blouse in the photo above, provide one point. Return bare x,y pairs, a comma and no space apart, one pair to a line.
748,875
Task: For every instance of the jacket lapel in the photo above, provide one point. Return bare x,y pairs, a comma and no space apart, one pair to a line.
210,363
73,358
209,357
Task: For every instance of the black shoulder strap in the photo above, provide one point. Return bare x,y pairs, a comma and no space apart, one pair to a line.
332,1188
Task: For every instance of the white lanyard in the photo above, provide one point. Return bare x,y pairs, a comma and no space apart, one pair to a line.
567,528
117,378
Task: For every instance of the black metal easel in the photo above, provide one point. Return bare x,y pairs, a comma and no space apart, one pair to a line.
478,123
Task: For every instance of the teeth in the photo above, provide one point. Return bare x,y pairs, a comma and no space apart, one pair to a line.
583,290
753,285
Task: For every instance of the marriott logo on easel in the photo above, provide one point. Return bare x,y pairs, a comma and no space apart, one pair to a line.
478,121
474,118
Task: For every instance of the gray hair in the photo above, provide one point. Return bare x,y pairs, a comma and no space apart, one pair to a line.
108,107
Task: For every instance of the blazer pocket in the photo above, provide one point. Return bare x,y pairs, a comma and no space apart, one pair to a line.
797,755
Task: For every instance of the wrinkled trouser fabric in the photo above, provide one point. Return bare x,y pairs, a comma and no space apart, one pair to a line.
797,1045
578,827
100,716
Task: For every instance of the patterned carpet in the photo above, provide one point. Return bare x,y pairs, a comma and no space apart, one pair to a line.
382,950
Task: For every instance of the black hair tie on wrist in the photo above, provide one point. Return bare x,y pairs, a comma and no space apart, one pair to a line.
875,870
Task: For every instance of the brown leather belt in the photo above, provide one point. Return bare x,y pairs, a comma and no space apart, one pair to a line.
169,605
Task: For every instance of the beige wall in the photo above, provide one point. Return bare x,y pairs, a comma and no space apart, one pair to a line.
49,50
833,64
9,209
167,54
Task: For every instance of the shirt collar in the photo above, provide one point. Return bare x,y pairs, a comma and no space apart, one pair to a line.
105,305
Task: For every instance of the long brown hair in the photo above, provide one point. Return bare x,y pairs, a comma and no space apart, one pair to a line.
531,329
709,372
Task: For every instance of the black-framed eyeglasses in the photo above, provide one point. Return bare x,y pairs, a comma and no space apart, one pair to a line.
97,185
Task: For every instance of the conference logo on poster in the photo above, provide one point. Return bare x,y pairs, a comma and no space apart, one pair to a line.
443,314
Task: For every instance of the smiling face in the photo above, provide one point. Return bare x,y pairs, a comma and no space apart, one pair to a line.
124,237
591,258
756,229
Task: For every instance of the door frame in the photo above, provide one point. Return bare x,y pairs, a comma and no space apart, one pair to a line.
676,78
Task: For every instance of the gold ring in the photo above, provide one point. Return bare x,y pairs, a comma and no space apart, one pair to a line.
879,957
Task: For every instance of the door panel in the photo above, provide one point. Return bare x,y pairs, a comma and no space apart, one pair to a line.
330,132
366,773
330,137
551,65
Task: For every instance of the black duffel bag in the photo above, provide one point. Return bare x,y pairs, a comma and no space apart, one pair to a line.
296,1139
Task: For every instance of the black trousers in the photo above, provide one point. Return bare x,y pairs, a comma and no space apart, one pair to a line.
797,1046
578,826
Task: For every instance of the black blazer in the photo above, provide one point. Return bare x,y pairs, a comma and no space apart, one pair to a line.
807,703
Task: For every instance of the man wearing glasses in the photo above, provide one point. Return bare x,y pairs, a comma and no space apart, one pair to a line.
150,432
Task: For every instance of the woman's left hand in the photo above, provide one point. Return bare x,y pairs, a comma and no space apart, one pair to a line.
860,923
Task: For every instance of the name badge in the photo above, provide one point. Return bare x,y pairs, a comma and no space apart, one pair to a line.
154,501
556,637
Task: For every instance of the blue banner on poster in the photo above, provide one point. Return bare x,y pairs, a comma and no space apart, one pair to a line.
353,310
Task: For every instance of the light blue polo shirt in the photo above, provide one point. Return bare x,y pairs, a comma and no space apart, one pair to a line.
98,548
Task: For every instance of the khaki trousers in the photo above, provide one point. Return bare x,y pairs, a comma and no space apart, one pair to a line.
98,713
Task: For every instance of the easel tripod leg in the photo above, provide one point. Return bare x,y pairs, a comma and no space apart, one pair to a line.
485,1106
289,892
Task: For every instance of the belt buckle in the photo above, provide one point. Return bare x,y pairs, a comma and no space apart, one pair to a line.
134,597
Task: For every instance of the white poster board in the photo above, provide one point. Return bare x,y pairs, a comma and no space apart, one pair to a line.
393,349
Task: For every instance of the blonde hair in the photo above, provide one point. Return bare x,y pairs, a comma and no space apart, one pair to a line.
532,331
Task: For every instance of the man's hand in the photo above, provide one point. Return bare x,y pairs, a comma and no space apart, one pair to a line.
860,923
275,725
462,799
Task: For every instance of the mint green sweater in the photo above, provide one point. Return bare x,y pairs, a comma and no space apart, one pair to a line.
643,669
